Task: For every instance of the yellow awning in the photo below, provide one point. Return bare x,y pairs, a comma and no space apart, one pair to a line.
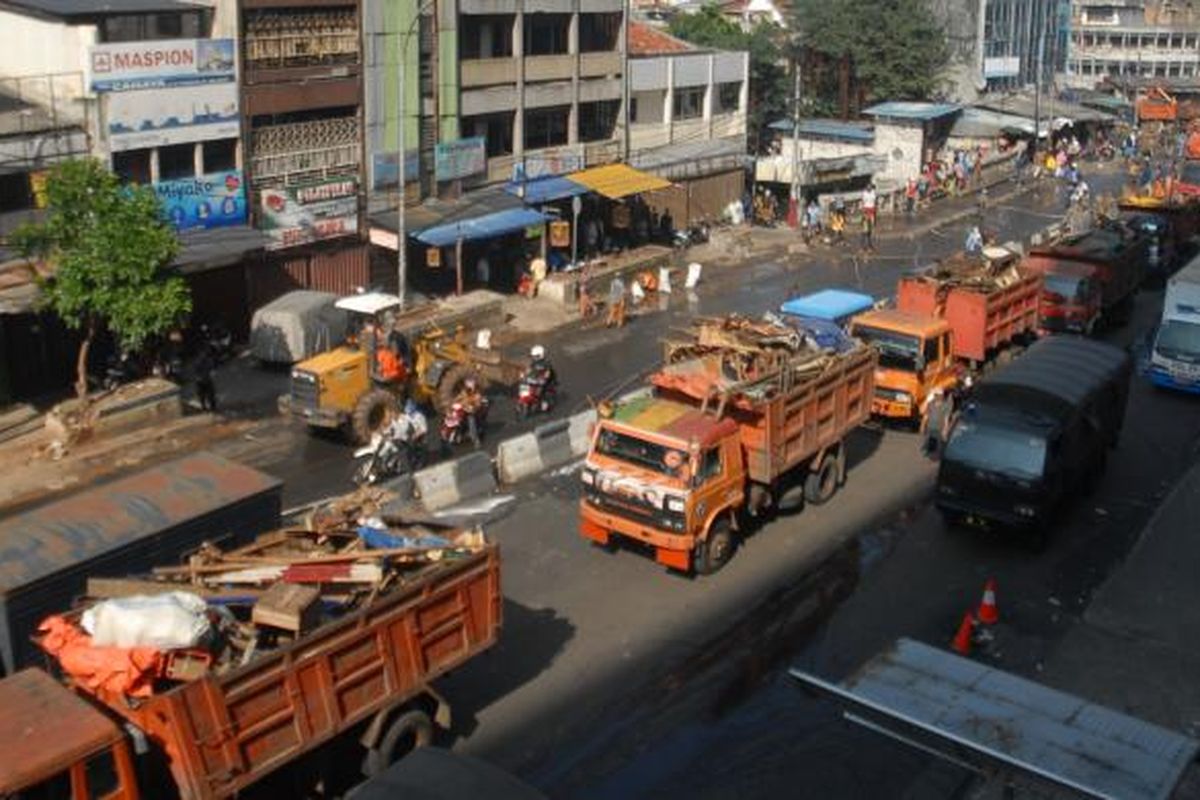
618,180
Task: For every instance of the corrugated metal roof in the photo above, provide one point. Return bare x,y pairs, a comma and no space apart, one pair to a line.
1000,718
484,227
830,128
984,123
89,523
543,190
906,109
92,8
619,180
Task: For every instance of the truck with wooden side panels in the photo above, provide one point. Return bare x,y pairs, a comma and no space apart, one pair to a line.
1089,279
361,679
742,418
948,320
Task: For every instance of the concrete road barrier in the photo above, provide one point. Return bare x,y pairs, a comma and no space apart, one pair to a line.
579,431
518,458
549,446
451,482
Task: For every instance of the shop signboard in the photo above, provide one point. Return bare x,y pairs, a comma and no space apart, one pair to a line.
460,159
560,233
296,215
122,66
385,169
216,200
153,118
548,163
1001,67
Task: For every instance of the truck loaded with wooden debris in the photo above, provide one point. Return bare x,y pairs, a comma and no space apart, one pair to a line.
743,417
242,661
952,317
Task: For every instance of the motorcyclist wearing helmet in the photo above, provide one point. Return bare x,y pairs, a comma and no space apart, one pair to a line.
540,374
409,429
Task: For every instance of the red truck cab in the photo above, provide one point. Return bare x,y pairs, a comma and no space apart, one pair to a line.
1071,300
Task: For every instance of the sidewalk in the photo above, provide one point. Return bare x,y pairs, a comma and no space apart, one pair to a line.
1138,646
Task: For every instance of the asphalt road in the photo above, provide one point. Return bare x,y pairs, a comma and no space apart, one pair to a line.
615,678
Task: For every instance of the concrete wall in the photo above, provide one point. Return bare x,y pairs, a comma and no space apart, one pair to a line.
902,144
34,47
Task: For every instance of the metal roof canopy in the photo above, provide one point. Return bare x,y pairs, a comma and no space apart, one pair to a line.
828,304
985,719
484,227
912,110
545,190
615,181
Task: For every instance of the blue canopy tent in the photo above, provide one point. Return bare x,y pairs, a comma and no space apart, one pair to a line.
545,190
485,227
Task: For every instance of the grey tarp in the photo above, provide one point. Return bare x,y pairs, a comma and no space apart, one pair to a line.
295,326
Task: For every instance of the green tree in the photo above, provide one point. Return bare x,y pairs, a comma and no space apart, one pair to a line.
893,49
768,75
109,251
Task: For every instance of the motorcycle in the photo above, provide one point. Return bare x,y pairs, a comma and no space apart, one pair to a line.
385,456
219,341
534,396
455,429
120,369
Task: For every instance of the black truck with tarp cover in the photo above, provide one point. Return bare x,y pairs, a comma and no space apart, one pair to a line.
1032,432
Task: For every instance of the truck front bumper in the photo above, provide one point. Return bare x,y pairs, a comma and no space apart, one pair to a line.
670,549
315,417
1163,378
892,409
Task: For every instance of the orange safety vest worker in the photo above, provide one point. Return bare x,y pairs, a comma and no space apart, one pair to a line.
391,368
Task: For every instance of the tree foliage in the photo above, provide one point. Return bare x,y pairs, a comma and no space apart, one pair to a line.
768,75
894,49
109,250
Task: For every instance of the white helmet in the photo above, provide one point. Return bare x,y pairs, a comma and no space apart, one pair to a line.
537,352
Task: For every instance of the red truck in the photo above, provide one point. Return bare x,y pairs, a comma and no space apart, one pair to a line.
1089,278
366,674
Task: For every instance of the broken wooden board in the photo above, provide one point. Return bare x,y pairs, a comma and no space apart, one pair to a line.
288,606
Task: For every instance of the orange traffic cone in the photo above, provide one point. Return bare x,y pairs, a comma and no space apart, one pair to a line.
962,639
988,613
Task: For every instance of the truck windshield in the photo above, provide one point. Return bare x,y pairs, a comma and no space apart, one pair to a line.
1178,339
641,453
896,350
1066,287
1013,453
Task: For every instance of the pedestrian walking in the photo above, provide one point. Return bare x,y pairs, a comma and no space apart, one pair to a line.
616,304
206,385
935,423
974,242
910,196
868,230
868,202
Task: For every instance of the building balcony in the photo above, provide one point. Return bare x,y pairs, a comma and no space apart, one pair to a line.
599,65
549,68
317,148
598,153
488,71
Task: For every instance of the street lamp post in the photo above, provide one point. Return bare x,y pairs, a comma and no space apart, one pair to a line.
401,233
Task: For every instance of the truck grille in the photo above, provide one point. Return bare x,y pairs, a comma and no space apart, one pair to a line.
305,393
637,511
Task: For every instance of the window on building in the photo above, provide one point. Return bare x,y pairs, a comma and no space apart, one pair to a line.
486,35
633,109
497,129
728,95
598,121
15,194
133,166
689,103
546,34
150,27
598,33
220,155
176,161
546,127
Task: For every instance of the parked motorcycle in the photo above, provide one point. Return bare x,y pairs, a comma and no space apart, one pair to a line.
535,396
121,368
218,340
455,428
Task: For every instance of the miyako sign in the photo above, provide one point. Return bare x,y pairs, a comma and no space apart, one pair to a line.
154,65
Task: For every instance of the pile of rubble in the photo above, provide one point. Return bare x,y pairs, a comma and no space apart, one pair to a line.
994,268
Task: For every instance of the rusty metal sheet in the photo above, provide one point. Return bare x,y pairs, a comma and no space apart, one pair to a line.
92,522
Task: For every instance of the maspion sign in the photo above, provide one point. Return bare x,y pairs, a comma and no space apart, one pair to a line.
152,65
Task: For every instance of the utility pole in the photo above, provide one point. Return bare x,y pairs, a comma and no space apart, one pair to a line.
794,199
401,234
1037,94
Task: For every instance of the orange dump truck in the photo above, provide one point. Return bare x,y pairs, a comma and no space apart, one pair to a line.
948,319
740,420
365,675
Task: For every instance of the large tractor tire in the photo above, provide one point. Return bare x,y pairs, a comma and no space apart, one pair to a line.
451,384
370,413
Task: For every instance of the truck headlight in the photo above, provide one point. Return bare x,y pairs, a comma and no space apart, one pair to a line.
676,504
588,476
1025,511
307,377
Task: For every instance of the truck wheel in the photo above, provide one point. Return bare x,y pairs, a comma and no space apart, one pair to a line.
820,486
717,548
370,413
410,730
450,385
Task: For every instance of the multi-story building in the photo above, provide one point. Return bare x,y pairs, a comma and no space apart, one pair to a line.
687,114
995,45
1122,39
301,99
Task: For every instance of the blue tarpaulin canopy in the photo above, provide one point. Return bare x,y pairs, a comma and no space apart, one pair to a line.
543,190
832,305
485,227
